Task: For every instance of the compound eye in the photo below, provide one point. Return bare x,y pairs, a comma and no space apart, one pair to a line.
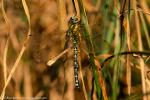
71,18
74,19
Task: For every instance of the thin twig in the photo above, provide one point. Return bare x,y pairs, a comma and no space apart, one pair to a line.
125,53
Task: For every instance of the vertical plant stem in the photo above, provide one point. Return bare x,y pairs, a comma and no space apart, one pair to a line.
145,8
82,80
61,14
121,33
7,42
89,44
28,92
140,47
115,78
128,67
145,29
80,70
101,80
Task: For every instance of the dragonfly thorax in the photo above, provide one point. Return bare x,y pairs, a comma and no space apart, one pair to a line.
74,26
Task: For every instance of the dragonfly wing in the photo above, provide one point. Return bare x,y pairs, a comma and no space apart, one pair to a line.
100,44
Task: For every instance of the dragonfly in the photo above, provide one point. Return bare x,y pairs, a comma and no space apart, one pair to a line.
73,34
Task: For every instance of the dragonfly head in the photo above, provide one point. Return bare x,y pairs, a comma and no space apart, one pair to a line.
73,20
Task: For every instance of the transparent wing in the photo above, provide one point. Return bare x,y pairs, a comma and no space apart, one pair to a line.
101,42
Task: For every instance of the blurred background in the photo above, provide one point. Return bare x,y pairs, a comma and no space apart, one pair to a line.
108,21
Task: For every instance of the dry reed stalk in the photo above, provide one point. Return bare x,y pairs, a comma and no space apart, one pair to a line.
69,8
145,29
61,15
81,75
7,41
13,39
5,49
90,7
145,8
21,52
140,47
27,82
128,67
101,80
128,74
69,77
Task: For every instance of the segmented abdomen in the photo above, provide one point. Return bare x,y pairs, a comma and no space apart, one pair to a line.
76,65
